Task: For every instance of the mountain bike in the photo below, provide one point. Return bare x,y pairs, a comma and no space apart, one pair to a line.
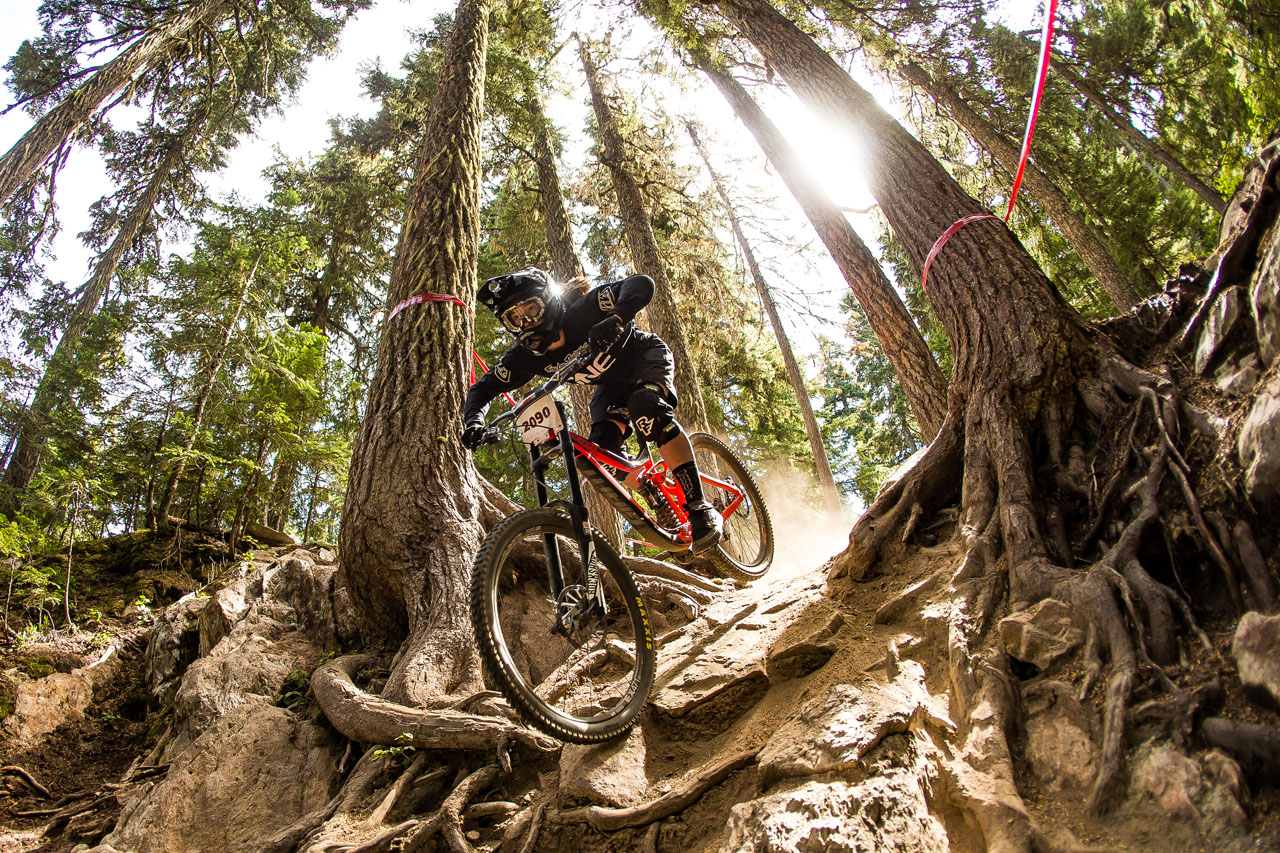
562,629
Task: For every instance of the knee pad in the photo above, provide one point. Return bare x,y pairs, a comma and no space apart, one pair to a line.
652,414
608,435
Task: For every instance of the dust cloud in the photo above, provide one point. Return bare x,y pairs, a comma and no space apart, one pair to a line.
807,535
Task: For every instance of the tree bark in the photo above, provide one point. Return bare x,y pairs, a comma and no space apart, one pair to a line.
29,448
56,127
922,381
821,463
202,399
1139,139
1080,234
645,254
412,517
566,265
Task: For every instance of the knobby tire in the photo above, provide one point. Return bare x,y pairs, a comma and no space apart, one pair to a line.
588,689
746,551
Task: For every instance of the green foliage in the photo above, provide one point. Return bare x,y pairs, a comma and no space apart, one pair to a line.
866,421
400,752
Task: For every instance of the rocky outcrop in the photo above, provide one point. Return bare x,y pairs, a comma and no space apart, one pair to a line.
1256,649
1040,635
1208,792
260,634
1259,444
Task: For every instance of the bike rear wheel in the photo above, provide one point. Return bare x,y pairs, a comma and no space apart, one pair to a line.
584,679
746,551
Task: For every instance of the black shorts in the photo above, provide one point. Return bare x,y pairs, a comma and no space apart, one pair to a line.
650,364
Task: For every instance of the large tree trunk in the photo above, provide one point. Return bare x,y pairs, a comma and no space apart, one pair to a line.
210,378
56,127
1080,234
645,254
25,461
820,461
1139,139
922,381
412,518
565,265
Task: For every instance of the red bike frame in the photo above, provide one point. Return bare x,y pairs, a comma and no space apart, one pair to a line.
606,463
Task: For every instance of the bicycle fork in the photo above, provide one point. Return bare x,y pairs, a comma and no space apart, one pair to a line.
577,511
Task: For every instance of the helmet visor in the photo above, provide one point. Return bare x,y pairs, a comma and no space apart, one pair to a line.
525,314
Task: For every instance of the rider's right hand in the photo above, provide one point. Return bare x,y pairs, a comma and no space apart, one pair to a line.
473,434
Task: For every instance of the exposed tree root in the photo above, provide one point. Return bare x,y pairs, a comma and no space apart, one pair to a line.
448,820
1255,746
28,780
372,719
678,799
929,484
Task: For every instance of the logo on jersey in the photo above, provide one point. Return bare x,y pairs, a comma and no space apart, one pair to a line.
502,373
645,426
597,368
605,299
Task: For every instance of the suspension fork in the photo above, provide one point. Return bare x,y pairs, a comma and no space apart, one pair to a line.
577,512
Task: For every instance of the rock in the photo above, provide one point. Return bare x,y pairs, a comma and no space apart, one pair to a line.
42,705
174,642
251,774
1264,299
1040,635
715,673
1209,795
227,607
1218,324
1238,378
1259,444
887,813
612,774
308,589
833,732
1256,648
798,658
1059,747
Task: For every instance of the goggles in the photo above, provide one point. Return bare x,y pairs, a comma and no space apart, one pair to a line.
525,314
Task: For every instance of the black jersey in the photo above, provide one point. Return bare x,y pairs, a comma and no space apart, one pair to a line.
518,365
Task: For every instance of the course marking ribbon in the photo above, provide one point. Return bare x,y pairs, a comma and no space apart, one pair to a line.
446,297
1042,73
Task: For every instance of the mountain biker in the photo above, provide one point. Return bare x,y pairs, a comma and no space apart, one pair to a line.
633,371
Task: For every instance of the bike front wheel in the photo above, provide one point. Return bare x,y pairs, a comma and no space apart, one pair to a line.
576,667
746,551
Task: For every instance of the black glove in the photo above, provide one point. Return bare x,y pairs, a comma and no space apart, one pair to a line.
605,333
473,434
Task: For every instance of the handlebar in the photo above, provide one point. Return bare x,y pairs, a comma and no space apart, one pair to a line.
578,359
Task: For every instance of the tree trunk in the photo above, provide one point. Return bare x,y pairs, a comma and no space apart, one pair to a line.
202,399
237,526
1139,139
566,265
412,517
25,461
820,460
645,255
58,126
1080,234
922,381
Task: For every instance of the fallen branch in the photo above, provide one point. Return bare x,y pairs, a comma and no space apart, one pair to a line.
676,800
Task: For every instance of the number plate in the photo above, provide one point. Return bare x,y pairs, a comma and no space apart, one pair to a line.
539,420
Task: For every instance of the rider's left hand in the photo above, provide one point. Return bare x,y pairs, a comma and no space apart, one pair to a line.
605,333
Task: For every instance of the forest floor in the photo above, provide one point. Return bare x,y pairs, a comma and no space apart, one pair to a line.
740,632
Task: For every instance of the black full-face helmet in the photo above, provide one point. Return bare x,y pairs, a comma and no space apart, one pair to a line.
525,303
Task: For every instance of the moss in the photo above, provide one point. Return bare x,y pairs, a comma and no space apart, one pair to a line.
8,696
36,667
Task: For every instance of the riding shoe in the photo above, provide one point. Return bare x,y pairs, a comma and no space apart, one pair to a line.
706,527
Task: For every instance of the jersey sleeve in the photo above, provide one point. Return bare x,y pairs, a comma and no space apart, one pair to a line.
508,374
625,298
